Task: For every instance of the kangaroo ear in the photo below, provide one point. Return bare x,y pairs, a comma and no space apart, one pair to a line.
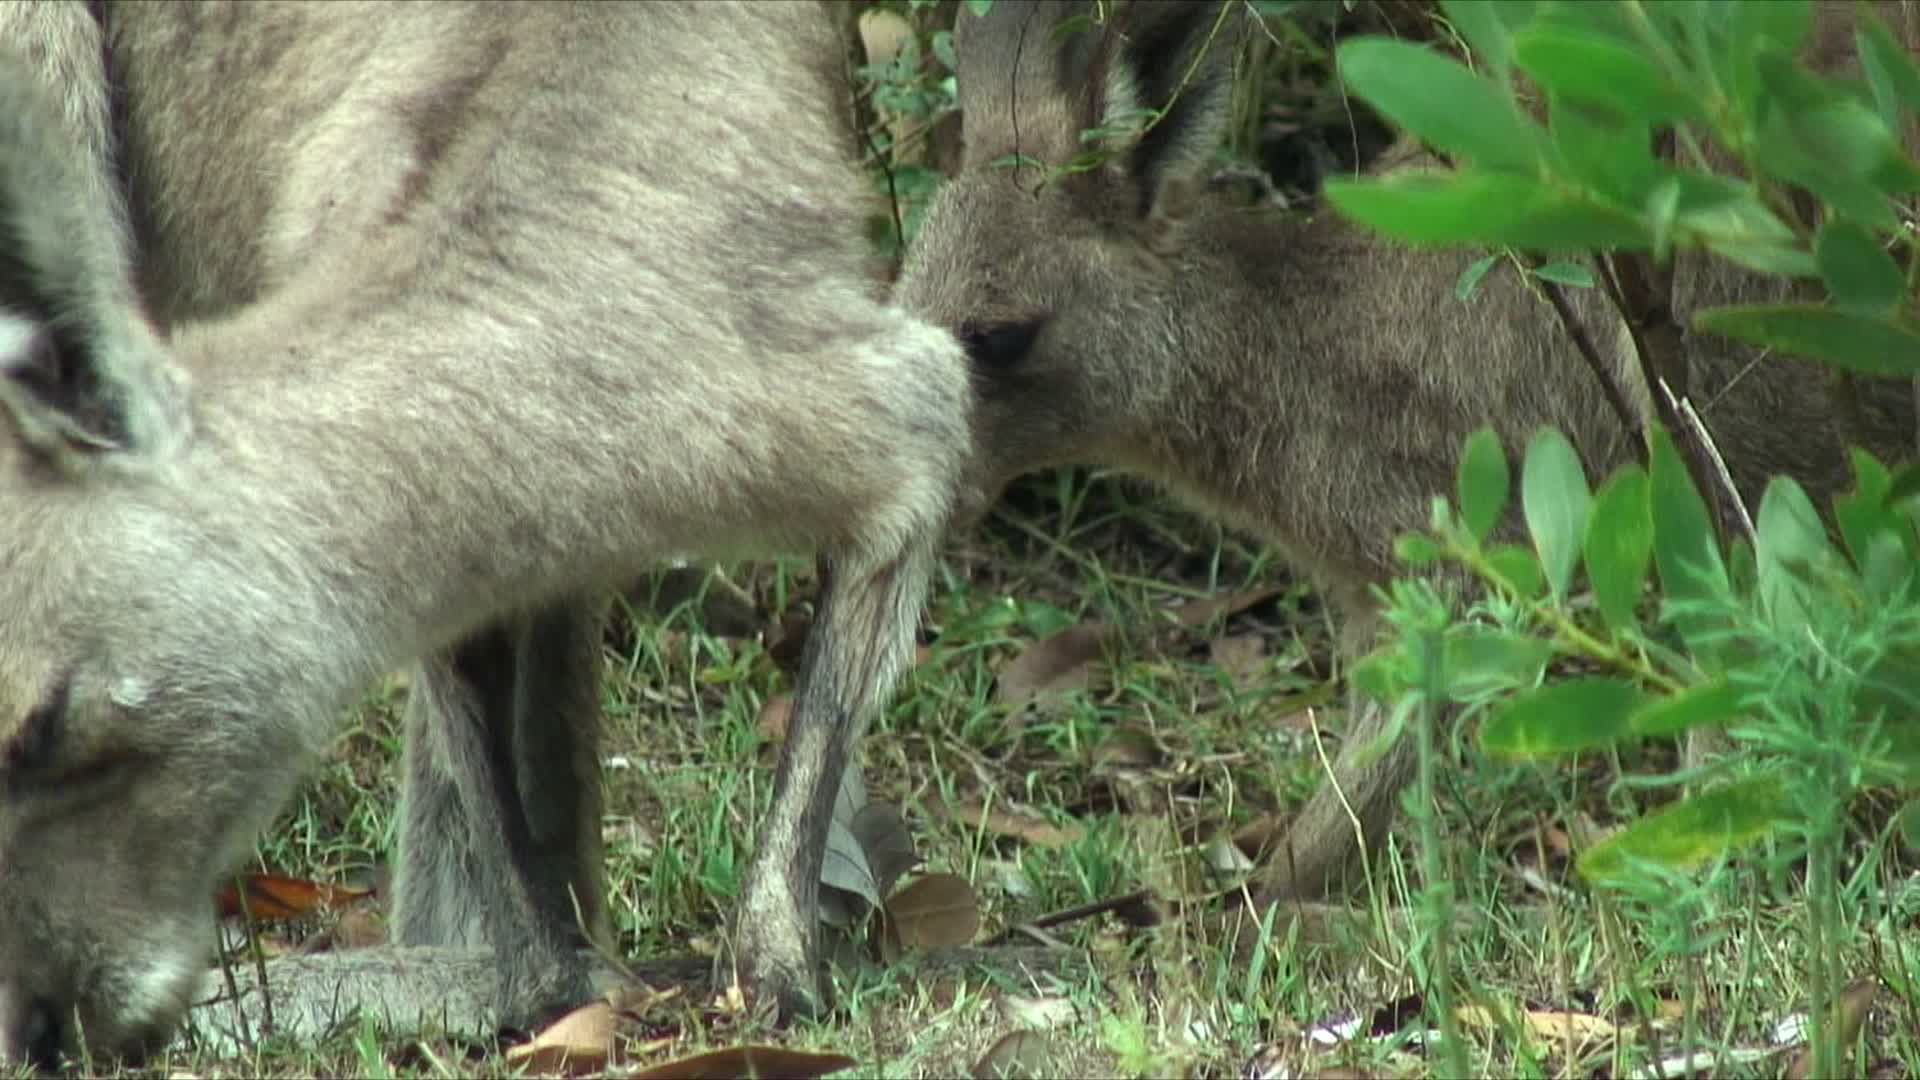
1152,83
1023,72
82,372
57,399
1164,92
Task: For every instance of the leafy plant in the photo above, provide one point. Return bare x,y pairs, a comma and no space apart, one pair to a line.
903,100
1806,651
1802,644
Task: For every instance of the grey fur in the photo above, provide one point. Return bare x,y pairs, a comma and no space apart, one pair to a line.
456,316
1298,378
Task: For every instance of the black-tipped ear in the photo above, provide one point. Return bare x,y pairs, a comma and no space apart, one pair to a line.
1174,60
1025,85
53,395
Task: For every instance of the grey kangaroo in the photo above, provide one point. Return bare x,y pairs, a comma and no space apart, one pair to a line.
1295,376
412,330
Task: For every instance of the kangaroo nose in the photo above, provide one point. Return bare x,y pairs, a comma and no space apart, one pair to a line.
28,1033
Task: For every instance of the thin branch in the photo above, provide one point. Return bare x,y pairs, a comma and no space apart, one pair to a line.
1602,371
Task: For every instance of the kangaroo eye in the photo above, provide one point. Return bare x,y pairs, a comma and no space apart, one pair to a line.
999,346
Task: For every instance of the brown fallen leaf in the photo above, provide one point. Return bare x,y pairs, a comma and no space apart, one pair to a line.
359,927
888,843
1240,656
578,1043
1053,666
883,34
1003,820
1556,1025
932,912
1849,1012
788,640
1570,1026
273,897
1039,1013
1015,1054
748,1061
1128,748
774,715
1201,612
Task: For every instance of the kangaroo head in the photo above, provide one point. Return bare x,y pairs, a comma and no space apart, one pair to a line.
133,763
1056,252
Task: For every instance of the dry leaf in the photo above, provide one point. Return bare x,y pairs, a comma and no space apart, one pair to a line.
1127,749
1850,1011
271,897
845,875
731,1002
1007,821
1053,666
748,1061
883,34
1241,656
1038,1014
789,640
578,1043
1015,1054
774,715
361,928
850,887
1555,1025
1562,1026
1201,612
888,844
933,912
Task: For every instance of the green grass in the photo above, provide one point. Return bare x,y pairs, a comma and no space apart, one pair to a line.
1163,753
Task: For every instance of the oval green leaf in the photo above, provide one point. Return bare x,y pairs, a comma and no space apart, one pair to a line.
1610,156
1593,69
1554,498
1468,282
1482,483
1442,102
1571,274
1872,346
1789,538
1519,567
1416,549
1692,832
1484,26
1619,546
1685,548
1889,69
1434,209
1858,272
1579,714
1482,659
1711,702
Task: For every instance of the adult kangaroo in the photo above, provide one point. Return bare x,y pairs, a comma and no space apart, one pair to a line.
411,331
